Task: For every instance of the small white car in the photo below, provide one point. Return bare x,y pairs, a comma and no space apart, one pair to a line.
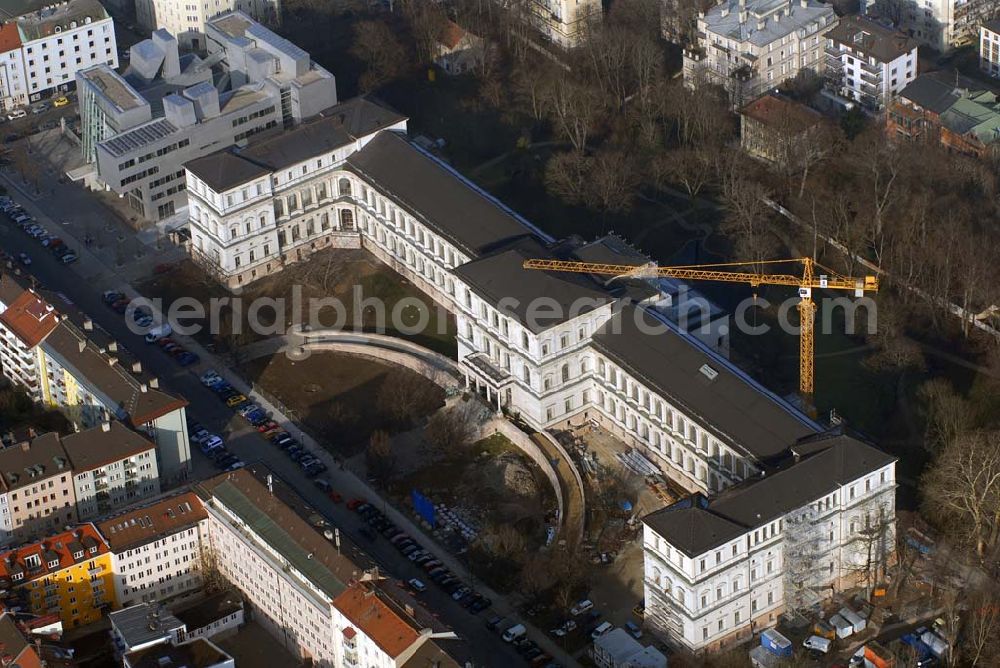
16,114
417,584
583,606
817,643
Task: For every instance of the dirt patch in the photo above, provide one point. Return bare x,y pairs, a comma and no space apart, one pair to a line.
373,298
341,399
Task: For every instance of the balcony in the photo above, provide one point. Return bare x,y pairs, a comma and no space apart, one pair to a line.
873,78
95,570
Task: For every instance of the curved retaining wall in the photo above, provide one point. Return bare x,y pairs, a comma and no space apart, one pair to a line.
442,371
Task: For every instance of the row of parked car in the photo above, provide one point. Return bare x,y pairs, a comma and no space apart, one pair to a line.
262,422
437,572
160,334
54,244
517,636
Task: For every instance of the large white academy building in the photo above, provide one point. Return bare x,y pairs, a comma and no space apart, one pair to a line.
551,348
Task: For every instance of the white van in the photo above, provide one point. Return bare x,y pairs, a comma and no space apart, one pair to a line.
581,607
158,333
817,643
605,627
514,632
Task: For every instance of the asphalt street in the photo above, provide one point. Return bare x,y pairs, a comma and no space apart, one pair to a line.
477,644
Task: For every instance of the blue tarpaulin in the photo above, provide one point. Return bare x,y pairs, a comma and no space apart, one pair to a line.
423,506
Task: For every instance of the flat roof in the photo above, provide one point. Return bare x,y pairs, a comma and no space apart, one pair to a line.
114,87
197,653
144,623
210,609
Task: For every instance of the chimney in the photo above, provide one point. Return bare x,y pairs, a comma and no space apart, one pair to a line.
804,3
154,383
112,360
113,346
137,367
88,325
143,388
105,426
83,345
25,446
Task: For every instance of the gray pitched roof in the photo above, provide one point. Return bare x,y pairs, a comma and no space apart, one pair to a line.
224,171
537,299
448,203
930,93
735,407
336,127
871,38
816,468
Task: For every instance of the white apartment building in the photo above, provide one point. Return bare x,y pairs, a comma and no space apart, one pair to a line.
113,467
299,585
747,46
157,550
60,39
187,18
717,570
562,22
869,63
65,361
940,24
13,78
989,48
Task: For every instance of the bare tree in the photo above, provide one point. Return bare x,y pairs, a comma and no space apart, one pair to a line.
948,414
962,489
566,176
450,429
427,23
574,108
379,456
377,46
613,180
404,396
980,642
748,216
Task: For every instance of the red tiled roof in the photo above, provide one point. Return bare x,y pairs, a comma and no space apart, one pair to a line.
363,606
147,524
773,109
10,37
60,546
30,317
451,34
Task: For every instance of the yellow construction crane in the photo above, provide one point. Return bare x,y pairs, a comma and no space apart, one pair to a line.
727,272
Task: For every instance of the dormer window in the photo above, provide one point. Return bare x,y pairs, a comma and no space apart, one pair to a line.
93,550
16,576
54,563
78,555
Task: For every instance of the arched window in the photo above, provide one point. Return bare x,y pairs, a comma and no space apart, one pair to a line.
346,219
344,186
565,373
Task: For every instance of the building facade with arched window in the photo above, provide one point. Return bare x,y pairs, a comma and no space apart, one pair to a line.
559,349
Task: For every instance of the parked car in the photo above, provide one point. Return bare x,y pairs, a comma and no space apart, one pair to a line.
417,584
633,630
581,607
16,114
24,259
60,101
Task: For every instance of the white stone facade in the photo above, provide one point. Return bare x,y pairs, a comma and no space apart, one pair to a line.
187,19
740,585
